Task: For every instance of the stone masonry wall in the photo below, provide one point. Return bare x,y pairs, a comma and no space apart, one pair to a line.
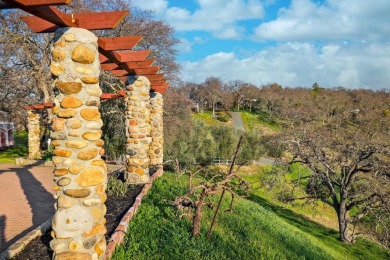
80,174
156,132
137,130
34,151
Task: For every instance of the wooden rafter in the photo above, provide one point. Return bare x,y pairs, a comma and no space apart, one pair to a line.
126,56
139,64
37,2
154,76
119,43
109,66
118,73
50,21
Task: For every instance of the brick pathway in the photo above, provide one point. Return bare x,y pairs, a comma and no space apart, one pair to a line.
26,200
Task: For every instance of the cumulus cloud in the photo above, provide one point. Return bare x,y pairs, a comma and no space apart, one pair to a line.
333,20
300,64
158,6
218,17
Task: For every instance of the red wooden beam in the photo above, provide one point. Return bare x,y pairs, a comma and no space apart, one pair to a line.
159,88
48,104
39,106
38,2
51,21
154,76
118,73
119,43
157,82
50,14
109,66
147,71
139,64
126,56
103,58
106,96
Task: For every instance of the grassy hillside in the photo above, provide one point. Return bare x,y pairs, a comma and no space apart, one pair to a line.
210,119
256,230
20,149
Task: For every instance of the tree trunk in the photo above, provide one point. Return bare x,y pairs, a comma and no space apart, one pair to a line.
342,215
198,214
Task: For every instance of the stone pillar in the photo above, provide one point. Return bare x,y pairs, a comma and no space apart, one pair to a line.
34,151
80,174
156,132
137,130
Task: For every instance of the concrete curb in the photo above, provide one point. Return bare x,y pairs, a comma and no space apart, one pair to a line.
19,245
120,232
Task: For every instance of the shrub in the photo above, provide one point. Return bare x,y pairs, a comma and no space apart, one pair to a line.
116,187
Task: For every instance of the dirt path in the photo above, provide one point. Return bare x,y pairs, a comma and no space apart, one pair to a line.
26,200
237,121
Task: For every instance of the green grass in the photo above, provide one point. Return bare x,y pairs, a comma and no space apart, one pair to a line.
20,148
208,118
259,121
256,230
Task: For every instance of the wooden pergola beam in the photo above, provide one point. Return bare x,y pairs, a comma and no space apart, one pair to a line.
157,82
152,77
109,66
150,70
139,64
119,73
45,22
127,56
119,43
37,2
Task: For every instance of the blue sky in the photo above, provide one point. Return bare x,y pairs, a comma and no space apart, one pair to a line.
291,42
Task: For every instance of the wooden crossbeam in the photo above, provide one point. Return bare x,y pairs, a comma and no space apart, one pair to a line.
119,73
46,16
51,21
139,64
37,2
119,43
157,82
150,70
39,106
103,59
154,76
159,88
109,66
126,56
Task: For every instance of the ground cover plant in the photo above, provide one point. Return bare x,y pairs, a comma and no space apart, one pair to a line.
256,230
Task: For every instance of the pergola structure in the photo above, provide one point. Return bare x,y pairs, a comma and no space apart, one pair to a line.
80,174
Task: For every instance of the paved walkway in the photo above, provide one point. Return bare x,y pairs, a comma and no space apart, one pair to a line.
237,121
26,200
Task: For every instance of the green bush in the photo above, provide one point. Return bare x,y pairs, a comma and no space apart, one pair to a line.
116,187
222,116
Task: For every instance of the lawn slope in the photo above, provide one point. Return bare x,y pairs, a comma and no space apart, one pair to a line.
256,230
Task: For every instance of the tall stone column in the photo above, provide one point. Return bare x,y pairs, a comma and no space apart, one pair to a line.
137,130
80,174
156,132
34,150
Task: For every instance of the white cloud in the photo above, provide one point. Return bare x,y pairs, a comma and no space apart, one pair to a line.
216,16
300,64
332,20
184,46
157,6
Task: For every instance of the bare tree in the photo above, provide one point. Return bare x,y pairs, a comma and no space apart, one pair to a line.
348,156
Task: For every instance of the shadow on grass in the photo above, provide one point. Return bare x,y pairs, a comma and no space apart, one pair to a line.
330,237
297,220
